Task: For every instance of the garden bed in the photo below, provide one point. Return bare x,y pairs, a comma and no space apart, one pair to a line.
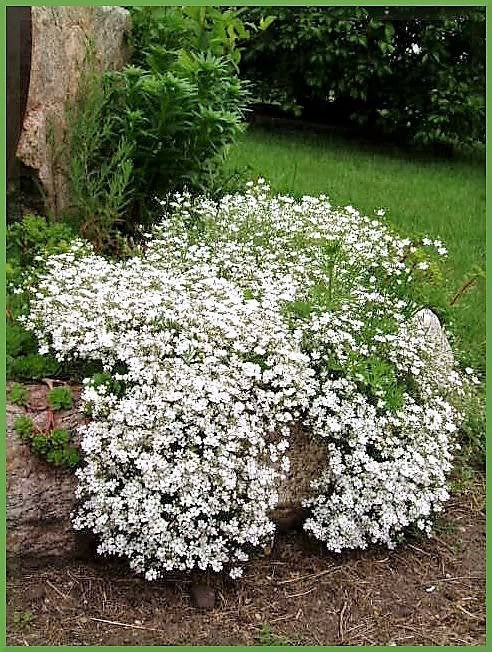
429,592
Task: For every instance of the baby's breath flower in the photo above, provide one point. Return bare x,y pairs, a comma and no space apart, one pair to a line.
215,341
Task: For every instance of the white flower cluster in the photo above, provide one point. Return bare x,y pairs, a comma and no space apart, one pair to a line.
238,319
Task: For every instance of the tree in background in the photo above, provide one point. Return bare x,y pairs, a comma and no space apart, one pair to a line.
417,74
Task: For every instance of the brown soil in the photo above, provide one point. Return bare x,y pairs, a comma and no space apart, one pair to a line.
426,592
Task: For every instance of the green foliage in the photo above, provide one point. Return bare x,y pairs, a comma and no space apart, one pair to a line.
23,619
416,75
159,125
267,638
24,427
18,340
195,29
31,237
53,447
100,163
60,398
19,395
179,122
32,366
472,436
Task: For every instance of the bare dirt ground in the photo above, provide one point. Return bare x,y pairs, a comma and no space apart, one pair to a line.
425,592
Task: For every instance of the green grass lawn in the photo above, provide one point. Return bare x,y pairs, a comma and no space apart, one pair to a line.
444,198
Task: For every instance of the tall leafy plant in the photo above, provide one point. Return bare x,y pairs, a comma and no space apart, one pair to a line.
179,121
100,162
162,123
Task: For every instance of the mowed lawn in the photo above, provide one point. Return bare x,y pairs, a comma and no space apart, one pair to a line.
443,198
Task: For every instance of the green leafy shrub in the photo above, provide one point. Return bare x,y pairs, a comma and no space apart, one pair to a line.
416,74
179,121
19,395
34,236
18,341
60,398
159,125
32,367
197,29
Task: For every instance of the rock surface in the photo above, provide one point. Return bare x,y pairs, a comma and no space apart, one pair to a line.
442,354
40,497
60,36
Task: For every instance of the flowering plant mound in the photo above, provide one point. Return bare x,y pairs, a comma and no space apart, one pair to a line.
236,320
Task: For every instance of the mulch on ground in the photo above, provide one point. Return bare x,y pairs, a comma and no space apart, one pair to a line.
425,592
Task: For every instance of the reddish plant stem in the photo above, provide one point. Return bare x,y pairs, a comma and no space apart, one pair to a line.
462,290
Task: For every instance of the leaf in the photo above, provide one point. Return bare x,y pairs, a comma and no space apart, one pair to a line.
266,22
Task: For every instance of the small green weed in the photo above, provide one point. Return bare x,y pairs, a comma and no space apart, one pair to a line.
60,398
52,446
465,479
267,638
24,427
19,395
23,619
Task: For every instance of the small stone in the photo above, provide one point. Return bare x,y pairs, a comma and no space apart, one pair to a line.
203,596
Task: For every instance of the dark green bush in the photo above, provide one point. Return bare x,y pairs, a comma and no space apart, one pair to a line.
32,366
417,74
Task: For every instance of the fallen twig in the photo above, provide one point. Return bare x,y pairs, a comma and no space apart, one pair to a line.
56,589
340,620
115,622
312,576
297,595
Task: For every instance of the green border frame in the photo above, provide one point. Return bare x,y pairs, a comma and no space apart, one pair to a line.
452,3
